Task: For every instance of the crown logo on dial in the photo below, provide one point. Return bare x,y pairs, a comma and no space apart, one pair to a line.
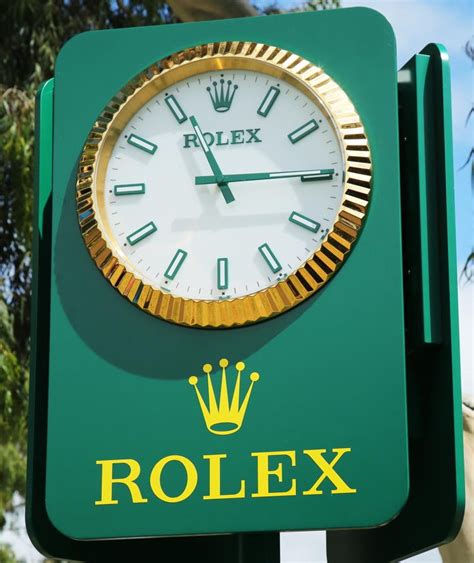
222,96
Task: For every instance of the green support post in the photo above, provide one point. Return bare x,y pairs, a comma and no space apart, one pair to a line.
433,514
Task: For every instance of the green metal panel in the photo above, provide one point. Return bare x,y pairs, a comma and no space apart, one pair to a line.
40,305
332,371
434,511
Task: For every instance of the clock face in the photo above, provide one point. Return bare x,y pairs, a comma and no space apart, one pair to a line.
223,179
184,237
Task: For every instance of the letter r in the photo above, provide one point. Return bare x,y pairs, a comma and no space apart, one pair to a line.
188,139
108,480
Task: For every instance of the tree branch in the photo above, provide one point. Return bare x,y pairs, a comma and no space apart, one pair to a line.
190,10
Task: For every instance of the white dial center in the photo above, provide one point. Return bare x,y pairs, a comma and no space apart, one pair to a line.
211,241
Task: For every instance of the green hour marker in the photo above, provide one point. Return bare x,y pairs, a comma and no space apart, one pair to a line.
142,233
269,257
175,264
142,144
129,189
305,222
222,273
324,174
175,108
268,101
303,131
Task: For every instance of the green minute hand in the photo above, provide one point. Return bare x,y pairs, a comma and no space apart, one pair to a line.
218,177
304,175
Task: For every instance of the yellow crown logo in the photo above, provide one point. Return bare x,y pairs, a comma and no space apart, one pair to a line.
225,418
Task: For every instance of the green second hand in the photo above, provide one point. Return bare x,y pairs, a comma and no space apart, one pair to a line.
304,175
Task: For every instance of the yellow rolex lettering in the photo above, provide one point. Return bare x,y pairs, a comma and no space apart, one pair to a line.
215,479
191,478
264,472
108,480
328,472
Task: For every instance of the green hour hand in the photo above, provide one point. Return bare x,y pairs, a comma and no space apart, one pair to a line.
218,176
304,175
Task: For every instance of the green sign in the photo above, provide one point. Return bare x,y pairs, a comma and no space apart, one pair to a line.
140,446
223,350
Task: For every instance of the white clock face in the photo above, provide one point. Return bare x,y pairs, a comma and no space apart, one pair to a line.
222,185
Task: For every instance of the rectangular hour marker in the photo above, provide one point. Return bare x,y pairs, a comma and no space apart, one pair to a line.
303,131
142,233
129,189
222,273
304,222
325,174
175,108
175,264
268,101
269,257
142,144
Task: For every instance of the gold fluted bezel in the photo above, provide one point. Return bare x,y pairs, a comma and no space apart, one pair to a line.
285,294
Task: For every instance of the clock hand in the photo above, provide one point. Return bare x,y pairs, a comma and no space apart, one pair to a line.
305,175
218,177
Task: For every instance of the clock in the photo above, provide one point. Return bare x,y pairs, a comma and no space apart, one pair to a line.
224,184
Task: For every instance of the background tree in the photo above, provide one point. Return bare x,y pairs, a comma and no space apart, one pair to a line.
468,270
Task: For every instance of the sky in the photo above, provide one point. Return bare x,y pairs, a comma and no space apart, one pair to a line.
416,23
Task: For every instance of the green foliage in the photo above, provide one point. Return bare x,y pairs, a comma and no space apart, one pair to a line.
13,389
16,176
13,406
13,409
6,554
